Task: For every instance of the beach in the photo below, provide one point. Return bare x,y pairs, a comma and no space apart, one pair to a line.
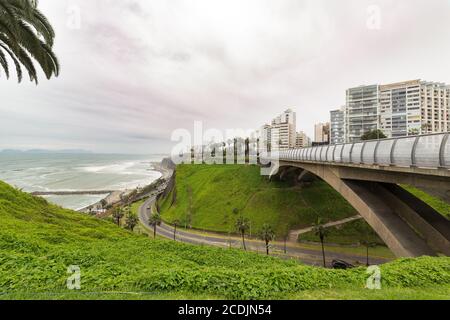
73,181
164,167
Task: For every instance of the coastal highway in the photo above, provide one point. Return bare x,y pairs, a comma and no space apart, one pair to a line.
305,255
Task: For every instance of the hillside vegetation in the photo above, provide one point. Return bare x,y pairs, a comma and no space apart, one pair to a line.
437,204
39,241
350,233
213,197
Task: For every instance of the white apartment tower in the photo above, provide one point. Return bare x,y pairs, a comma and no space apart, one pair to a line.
414,107
302,140
283,131
337,126
322,133
265,137
361,112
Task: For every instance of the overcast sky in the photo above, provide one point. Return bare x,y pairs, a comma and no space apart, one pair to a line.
134,71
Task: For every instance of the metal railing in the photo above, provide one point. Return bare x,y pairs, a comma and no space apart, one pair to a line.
425,151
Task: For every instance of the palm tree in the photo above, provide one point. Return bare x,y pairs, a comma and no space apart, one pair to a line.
131,221
154,221
103,203
368,245
26,36
321,232
176,223
118,214
242,225
366,241
267,234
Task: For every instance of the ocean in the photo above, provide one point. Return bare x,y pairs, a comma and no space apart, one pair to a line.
77,172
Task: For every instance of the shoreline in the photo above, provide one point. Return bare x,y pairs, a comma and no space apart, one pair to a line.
116,196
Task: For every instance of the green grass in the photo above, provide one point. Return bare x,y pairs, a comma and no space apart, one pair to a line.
350,233
433,293
39,241
436,203
207,196
135,206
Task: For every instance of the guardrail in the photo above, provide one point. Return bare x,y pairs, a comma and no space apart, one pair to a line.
427,151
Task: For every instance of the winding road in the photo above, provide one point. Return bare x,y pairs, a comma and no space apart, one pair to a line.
306,255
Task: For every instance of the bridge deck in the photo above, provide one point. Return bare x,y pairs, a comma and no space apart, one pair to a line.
423,154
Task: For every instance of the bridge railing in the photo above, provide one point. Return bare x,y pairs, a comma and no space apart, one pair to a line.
427,151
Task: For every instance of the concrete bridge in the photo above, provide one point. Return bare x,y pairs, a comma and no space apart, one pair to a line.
368,174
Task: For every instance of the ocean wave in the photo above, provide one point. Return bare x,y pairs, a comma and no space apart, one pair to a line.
128,185
118,168
79,174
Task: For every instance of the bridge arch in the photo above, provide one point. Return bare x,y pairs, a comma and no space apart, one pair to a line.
408,226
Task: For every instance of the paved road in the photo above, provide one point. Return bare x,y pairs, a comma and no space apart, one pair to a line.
307,256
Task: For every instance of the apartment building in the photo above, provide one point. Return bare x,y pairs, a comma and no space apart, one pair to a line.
283,131
264,135
337,126
361,112
414,107
302,140
322,133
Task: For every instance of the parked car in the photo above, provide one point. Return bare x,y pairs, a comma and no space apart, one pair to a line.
341,264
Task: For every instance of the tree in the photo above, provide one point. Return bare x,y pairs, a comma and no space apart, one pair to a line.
267,235
131,221
366,241
118,214
373,135
258,160
321,232
103,203
26,36
224,152
413,132
368,245
247,150
154,221
176,223
242,225
427,127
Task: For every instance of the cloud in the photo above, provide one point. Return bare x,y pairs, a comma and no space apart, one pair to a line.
137,70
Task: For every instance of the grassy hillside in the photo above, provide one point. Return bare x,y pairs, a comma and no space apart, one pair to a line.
39,241
351,233
434,202
212,198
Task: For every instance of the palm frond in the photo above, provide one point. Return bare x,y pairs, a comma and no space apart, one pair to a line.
26,36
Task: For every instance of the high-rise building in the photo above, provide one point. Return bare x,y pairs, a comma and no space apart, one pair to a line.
361,112
264,135
414,107
397,109
337,126
283,131
302,140
322,133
